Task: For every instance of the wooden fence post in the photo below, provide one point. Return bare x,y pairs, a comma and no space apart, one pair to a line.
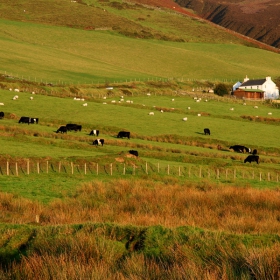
111,169
200,172
226,173
72,168
97,169
124,169
59,167
8,168
38,167
28,167
47,166
146,167
85,168
260,176
179,171
16,169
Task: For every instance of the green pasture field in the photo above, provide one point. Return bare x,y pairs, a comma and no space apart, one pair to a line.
163,138
75,56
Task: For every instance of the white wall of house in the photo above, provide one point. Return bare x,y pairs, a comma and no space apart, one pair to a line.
270,89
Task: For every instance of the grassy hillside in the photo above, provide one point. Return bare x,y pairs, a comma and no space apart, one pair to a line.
41,45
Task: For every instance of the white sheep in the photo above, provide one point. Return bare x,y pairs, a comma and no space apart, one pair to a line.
269,113
1,104
185,119
189,108
16,90
161,111
85,104
31,97
199,115
232,109
256,107
151,113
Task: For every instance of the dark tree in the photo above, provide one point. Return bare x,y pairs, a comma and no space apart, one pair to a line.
221,89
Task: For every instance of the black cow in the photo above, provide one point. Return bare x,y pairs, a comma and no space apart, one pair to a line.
133,152
252,158
206,131
28,120
94,132
254,152
122,134
1,115
73,126
62,129
98,142
240,149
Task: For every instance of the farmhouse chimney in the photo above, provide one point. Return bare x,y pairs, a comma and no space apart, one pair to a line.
246,79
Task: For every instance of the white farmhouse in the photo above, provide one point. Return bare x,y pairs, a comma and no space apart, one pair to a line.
253,89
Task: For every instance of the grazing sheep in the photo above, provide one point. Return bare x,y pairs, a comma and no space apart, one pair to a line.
256,107
85,104
31,97
232,109
185,119
151,113
189,108
269,113
199,115
16,90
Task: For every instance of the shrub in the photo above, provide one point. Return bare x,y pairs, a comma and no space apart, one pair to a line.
221,89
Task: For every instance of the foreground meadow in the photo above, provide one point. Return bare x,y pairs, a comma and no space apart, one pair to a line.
182,209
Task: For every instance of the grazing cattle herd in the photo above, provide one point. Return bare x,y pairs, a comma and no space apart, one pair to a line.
253,157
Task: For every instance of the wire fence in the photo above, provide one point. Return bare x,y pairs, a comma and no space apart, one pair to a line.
29,167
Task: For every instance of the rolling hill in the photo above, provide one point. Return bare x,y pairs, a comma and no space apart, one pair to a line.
256,19
106,41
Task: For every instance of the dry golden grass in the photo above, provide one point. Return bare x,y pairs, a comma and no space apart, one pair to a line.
146,203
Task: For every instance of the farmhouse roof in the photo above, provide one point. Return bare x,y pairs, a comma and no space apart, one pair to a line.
253,83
